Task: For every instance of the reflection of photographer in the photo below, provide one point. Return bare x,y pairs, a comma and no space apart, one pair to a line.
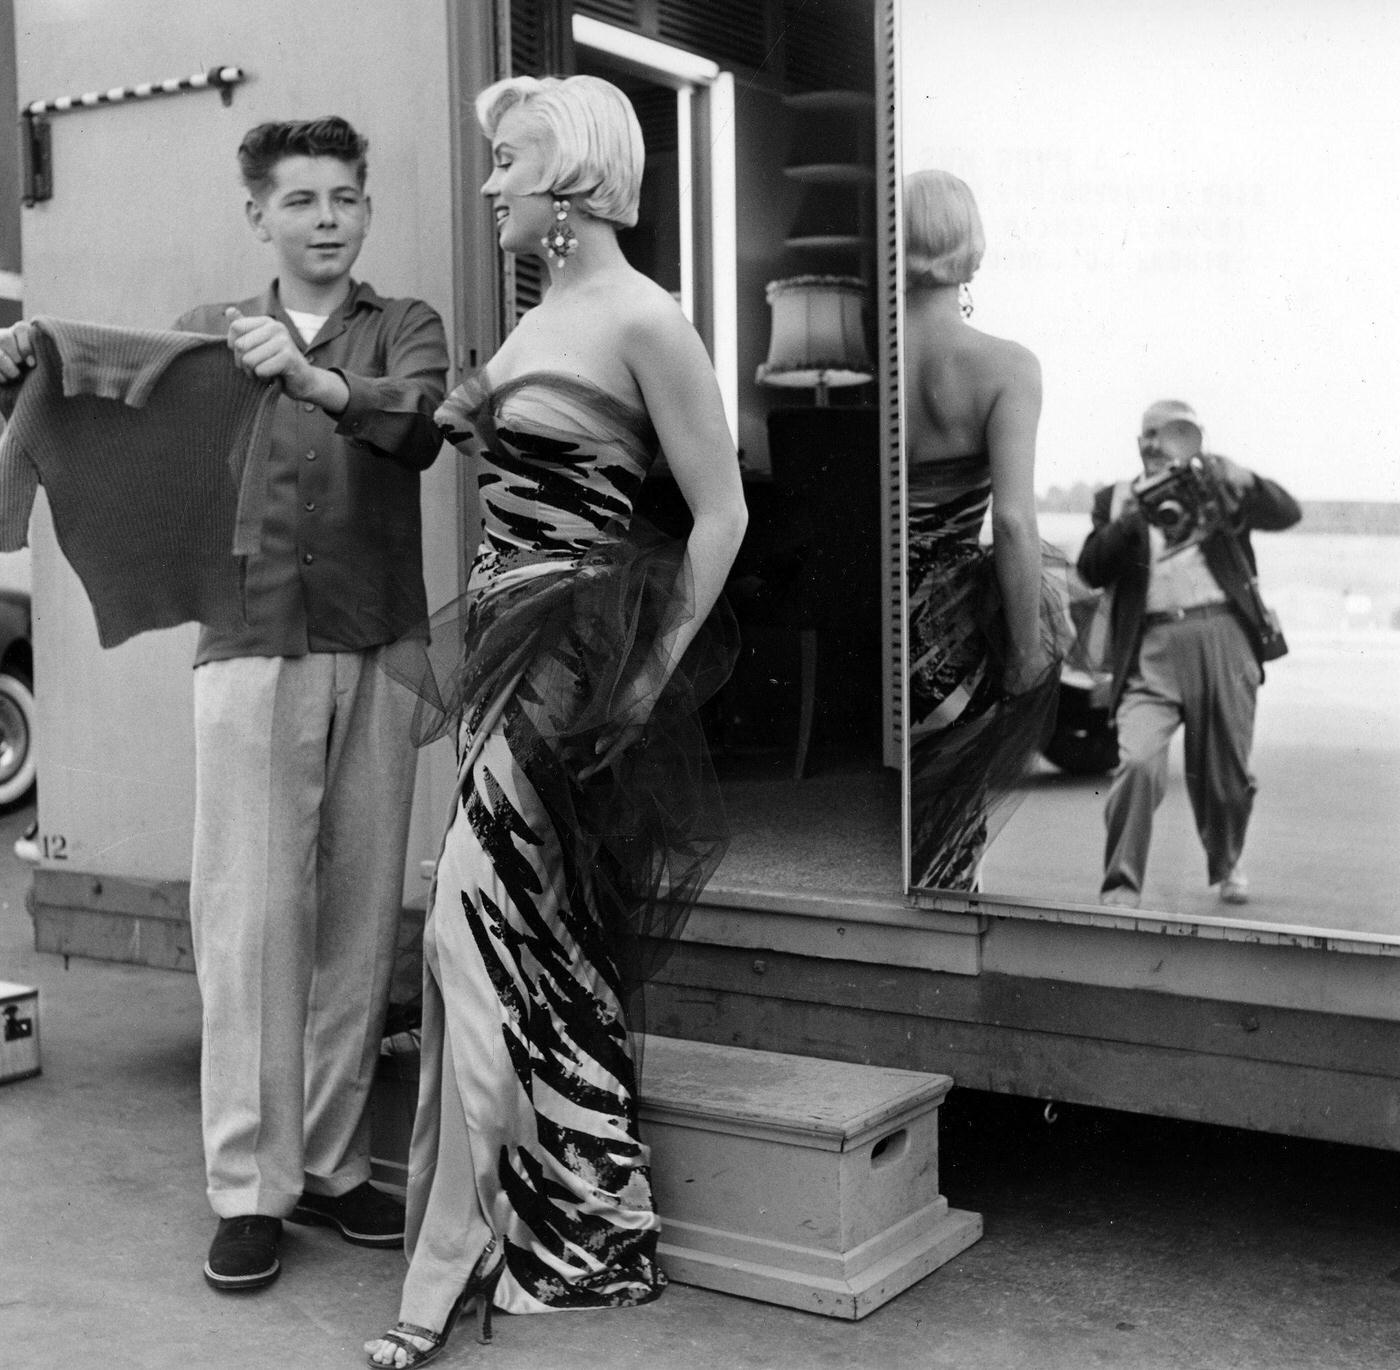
1190,634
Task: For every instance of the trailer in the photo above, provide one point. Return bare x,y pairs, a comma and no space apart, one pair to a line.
128,119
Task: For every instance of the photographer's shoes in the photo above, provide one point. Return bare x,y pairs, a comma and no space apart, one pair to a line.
1120,897
1234,888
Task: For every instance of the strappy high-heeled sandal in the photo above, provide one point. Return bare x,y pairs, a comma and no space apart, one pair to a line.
399,1335
481,1287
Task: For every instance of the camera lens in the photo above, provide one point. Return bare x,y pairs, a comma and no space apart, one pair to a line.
1169,515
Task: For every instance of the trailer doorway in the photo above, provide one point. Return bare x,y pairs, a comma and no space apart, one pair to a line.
715,223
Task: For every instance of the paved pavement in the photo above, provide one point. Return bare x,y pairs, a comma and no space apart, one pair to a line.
1111,1241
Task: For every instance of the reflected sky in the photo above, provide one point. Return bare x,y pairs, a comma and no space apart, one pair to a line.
1182,197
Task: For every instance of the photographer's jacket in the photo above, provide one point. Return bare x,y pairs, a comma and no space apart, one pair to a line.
1117,555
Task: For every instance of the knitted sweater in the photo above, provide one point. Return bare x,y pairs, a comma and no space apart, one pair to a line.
152,449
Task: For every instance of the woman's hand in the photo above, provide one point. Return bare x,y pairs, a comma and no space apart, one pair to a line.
1024,673
626,732
16,352
612,745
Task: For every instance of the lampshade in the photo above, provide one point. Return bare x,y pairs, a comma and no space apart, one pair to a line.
818,335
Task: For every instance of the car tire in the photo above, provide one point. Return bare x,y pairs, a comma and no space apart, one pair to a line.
17,761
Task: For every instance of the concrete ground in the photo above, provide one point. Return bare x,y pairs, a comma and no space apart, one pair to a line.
1111,1241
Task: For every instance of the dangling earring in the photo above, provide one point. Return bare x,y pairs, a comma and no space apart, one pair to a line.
965,300
561,242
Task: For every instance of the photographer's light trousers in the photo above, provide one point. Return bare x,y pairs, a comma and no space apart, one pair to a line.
1199,673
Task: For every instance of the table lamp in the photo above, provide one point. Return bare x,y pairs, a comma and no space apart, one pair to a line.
818,338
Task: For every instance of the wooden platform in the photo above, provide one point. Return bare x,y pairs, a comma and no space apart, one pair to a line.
1154,1017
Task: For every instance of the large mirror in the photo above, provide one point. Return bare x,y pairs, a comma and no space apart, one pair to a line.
1199,202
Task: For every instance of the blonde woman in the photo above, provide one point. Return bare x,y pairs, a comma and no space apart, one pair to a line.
585,813
984,629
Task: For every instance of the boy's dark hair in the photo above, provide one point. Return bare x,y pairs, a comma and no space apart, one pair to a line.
267,144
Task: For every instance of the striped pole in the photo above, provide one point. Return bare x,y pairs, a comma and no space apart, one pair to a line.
216,78
37,146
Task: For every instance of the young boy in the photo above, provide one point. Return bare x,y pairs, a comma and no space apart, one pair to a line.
303,763
304,768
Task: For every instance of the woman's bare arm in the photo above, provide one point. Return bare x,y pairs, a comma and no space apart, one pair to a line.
677,382
1011,437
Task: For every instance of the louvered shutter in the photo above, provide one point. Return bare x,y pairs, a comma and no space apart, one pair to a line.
730,32
827,44
541,44
626,14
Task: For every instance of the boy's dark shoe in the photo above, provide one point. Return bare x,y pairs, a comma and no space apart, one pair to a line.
364,1215
243,1254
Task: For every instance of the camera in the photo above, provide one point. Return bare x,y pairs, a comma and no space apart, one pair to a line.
1188,501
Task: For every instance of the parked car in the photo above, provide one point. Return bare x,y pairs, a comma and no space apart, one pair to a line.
17,768
1084,739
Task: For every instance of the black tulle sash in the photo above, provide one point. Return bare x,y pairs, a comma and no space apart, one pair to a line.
566,644
970,742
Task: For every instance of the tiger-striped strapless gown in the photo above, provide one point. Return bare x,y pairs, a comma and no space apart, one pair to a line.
550,891
970,743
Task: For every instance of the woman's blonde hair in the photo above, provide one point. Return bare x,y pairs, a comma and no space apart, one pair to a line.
943,241
589,135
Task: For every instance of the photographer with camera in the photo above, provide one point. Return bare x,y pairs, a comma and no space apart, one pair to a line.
1189,636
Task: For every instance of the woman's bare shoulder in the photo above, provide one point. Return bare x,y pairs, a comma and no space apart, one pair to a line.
643,304
1016,359
652,327
961,344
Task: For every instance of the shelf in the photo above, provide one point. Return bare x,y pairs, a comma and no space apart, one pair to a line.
839,101
831,173
829,240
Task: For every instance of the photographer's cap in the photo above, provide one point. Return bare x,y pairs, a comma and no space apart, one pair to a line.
1170,411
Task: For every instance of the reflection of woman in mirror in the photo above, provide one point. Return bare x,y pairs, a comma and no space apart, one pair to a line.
982,628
